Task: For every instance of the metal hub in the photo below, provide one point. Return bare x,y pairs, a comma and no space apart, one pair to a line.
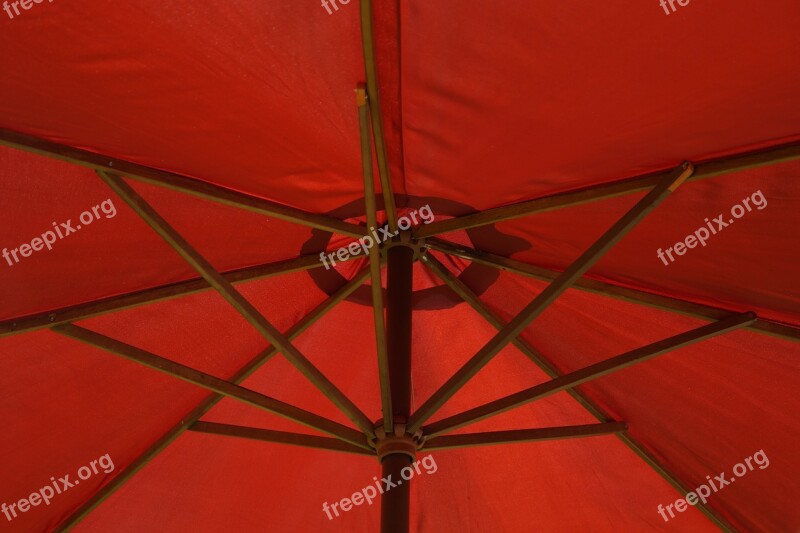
403,443
405,238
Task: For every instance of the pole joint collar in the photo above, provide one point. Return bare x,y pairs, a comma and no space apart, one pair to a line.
393,444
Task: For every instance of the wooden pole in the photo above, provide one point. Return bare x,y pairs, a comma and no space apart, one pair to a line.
395,502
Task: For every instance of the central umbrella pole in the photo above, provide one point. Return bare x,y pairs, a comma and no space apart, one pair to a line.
395,502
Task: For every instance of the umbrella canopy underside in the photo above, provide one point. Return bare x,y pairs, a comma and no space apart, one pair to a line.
483,106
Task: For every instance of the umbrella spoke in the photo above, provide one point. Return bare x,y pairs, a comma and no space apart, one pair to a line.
595,193
177,182
595,410
523,346
551,292
278,437
238,377
213,383
665,303
375,263
82,311
374,104
237,301
589,373
524,435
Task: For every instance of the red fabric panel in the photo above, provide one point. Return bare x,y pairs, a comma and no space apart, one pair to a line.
701,409
388,47
749,265
254,96
484,105
508,102
342,346
120,254
70,403
249,485
65,404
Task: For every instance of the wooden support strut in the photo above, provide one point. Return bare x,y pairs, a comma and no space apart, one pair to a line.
373,101
589,373
203,407
523,435
278,437
176,182
74,313
704,170
376,285
550,293
592,407
213,383
656,301
237,301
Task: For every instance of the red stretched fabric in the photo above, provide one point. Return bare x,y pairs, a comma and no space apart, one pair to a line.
117,254
704,408
511,487
483,105
748,265
566,95
257,97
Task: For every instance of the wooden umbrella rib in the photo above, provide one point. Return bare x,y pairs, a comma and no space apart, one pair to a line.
491,438
568,432
373,101
212,383
656,301
590,405
589,373
593,254
237,301
278,437
376,285
523,346
74,313
704,170
177,182
203,407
